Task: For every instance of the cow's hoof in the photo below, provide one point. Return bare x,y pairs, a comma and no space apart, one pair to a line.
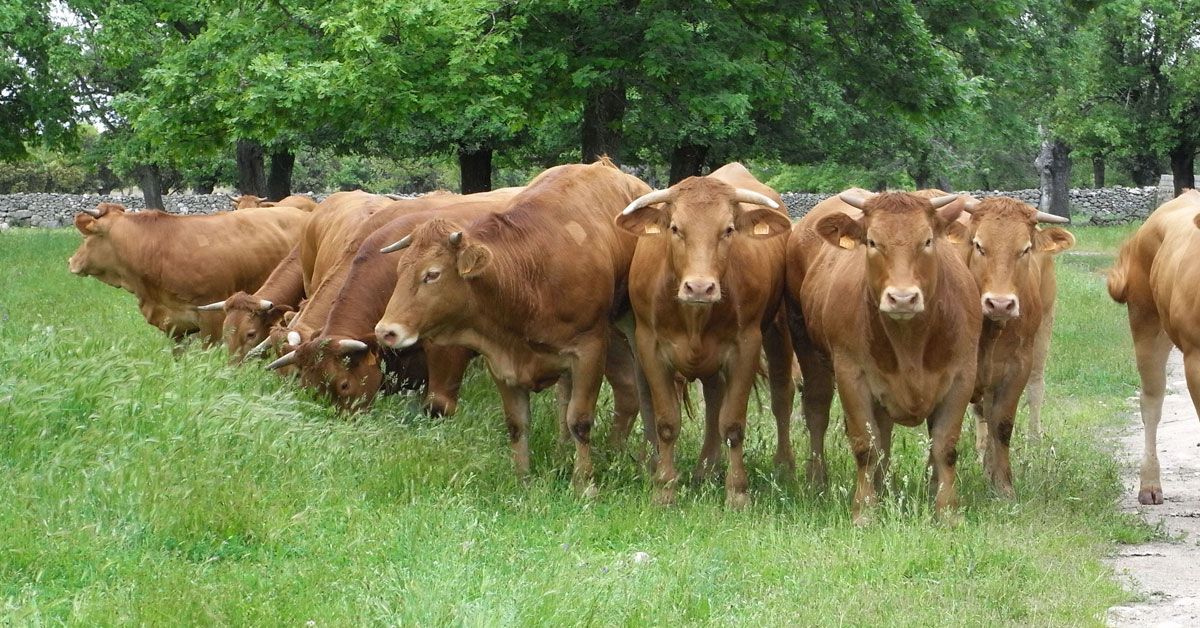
588,491
737,501
863,518
664,496
816,475
1150,496
950,517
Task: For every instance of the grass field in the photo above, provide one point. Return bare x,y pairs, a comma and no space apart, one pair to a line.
141,487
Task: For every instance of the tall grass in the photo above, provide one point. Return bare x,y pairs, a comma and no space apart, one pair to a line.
137,486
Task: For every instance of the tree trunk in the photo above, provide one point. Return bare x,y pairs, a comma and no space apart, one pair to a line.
204,186
1183,168
1054,175
150,181
475,169
687,161
279,182
251,179
603,115
920,171
1144,170
943,183
1098,171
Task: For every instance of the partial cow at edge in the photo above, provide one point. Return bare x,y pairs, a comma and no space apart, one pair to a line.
1155,277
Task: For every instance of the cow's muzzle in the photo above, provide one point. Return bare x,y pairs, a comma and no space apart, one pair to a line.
699,290
902,303
395,336
1000,307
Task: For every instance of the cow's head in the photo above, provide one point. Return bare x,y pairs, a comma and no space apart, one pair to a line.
433,283
248,321
701,216
98,256
345,370
900,234
246,201
1005,240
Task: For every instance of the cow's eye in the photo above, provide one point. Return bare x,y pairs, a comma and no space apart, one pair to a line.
252,334
928,242
728,231
431,275
1027,249
978,247
870,243
674,230
344,386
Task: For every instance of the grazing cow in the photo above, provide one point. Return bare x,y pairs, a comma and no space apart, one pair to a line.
881,302
1013,265
175,263
706,286
326,238
336,353
247,201
1155,276
533,289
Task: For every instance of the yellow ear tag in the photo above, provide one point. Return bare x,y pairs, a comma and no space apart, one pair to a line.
848,243
762,228
371,360
653,228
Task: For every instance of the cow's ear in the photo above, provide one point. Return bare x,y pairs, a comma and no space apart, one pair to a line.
1196,221
85,224
645,221
762,222
957,233
473,259
1054,240
841,230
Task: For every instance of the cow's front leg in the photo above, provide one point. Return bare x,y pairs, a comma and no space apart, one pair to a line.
864,437
661,383
587,372
944,430
516,416
710,448
740,373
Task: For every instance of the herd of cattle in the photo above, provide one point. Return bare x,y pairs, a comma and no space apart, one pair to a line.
915,305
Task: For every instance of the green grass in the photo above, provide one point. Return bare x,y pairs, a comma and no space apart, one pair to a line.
141,487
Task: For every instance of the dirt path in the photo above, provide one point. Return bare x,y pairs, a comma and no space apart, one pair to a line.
1166,573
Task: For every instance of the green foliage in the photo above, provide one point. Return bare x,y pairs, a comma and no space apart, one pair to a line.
46,171
143,487
35,99
827,177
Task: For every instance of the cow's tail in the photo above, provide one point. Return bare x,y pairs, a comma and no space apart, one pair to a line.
1118,275
683,390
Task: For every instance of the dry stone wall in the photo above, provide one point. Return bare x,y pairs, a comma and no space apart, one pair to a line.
1103,206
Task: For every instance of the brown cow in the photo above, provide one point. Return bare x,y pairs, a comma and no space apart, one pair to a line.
1010,259
175,263
326,238
1155,276
706,286
881,302
532,289
248,201
340,357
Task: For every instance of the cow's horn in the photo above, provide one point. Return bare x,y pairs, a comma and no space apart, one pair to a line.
232,197
970,205
1044,217
942,201
261,198
294,339
854,199
346,346
402,243
265,305
212,307
456,238
754,198
258,349
94,213
395,197
657,196
290,358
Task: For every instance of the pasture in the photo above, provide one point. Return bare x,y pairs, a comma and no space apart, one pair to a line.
138,486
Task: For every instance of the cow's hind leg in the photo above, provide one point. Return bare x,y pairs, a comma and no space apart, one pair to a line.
620,370
1035,390
586,376
1151,348
776,345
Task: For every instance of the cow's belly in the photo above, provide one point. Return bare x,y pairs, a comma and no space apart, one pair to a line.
534,371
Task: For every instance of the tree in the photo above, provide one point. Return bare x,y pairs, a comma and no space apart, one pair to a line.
35,101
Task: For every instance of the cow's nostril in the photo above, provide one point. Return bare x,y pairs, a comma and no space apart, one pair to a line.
711,288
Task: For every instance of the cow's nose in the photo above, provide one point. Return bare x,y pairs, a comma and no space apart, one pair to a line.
902,301
1000,306
903,298
703,290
